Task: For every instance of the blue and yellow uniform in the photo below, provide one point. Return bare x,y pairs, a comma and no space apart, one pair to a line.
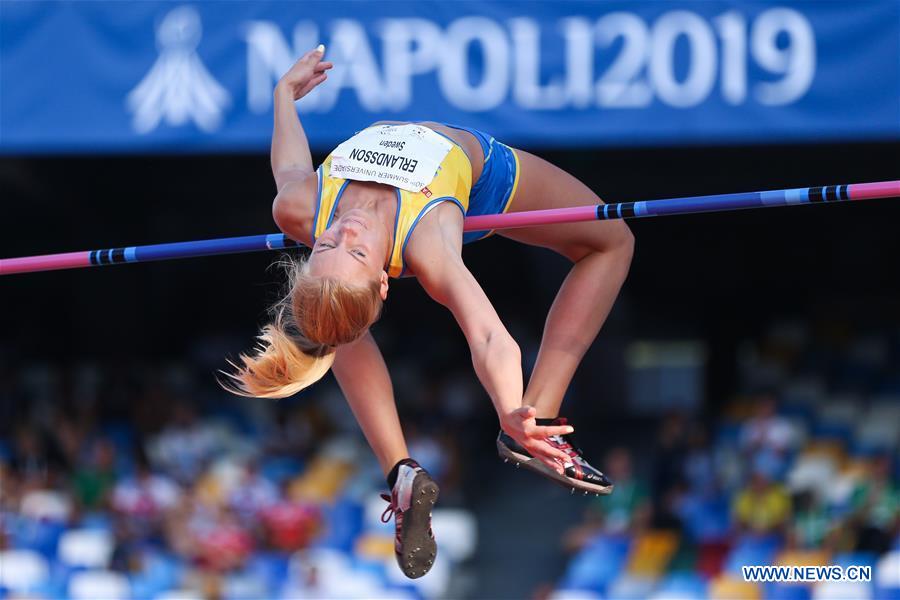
492,193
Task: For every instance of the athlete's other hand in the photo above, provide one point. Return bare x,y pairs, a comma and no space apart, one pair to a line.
521,426
306,74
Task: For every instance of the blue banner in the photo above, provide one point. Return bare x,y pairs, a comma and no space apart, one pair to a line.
198,77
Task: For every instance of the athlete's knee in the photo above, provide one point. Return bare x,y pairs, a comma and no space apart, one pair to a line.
615,239
624,241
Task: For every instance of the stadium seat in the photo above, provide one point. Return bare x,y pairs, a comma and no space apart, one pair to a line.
887,571
563,594
651,552
271,567
854,558
159,571
322,481
23,571
95,584
727,587
342,522
40,536
627,587
436,584
46,505
375,546
711,557
802,558
681,586
179,595
457,530
786,591
245,585
597,565
751,550
842,590
91,548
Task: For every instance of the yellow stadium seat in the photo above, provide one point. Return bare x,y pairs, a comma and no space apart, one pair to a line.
651,553
730,588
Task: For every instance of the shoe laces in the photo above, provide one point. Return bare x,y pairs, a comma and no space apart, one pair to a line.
388,513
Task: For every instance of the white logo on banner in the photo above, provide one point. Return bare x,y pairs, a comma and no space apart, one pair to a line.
178,88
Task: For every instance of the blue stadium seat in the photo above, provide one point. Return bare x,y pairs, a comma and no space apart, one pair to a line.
706,519
280,468
682,585
343,523
160,571
854,558
786,591
40,536
752,550
272,567
597,565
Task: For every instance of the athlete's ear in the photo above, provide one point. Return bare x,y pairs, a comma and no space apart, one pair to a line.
384,285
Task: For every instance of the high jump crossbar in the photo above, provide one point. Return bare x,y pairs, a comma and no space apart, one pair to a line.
594,212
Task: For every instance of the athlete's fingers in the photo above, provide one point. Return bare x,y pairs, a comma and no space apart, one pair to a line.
548,430
312,83
544,448
552,464
324,66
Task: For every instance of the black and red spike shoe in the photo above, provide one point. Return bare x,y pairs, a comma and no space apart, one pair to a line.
579,474
411,502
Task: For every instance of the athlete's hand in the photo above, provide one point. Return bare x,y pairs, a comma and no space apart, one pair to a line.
521,426
306,74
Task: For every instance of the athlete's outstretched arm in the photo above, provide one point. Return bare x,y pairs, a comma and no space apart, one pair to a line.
291,159
495,354
360,371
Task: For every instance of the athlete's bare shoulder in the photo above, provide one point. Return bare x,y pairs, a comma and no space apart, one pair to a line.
295,206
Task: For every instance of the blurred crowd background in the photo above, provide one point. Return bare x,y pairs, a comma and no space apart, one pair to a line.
744,395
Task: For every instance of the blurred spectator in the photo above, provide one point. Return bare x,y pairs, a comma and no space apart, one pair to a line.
290,526
670,455
699,462
626,510
183,447
811,524
144,497
93,481
628,507
763,506
768,431
34,456
42,501
252,495
876,508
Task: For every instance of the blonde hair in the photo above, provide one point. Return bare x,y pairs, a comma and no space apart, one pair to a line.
297,348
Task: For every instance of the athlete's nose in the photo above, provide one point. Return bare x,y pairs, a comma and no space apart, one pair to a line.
348,228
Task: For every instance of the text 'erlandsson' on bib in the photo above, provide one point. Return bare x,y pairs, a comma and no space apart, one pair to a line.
404,156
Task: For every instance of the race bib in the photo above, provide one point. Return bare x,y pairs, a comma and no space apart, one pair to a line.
404,156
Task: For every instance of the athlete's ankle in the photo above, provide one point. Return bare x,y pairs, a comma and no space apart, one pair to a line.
392,475
545,420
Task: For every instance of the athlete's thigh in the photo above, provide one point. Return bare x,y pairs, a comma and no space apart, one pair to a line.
544,185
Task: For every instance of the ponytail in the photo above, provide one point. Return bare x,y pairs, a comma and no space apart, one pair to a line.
298,347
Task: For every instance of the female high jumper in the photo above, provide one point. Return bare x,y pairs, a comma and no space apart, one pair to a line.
390,202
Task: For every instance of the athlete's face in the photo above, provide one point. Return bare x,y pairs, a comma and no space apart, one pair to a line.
351,250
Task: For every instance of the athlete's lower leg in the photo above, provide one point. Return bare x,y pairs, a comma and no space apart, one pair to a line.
578,312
